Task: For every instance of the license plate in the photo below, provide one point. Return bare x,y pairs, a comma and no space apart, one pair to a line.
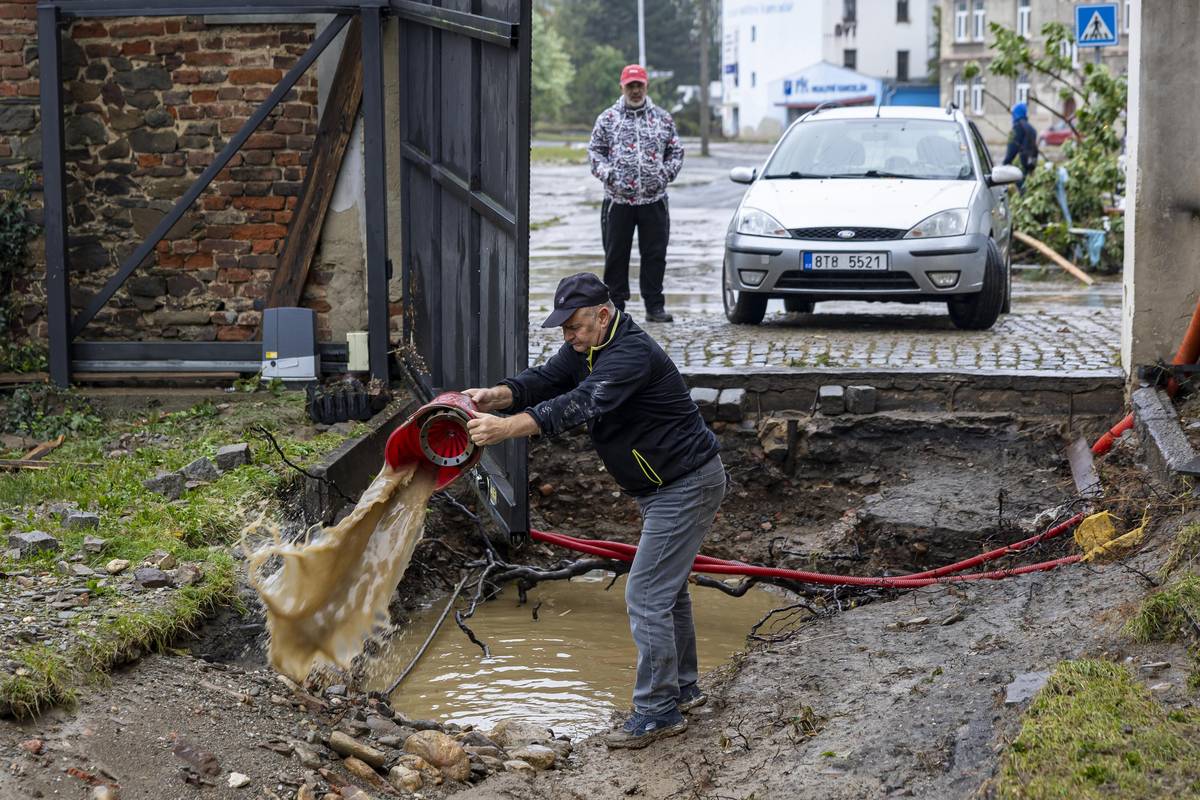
847,261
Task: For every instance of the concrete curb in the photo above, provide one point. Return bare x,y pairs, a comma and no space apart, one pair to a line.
1165,446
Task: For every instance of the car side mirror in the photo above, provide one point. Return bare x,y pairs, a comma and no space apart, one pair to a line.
743,174
1004,173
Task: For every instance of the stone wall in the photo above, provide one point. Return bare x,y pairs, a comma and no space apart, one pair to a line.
148,104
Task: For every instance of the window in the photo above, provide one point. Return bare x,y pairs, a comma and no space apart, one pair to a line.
1069,48
985,156
902,65
902,10
960,21
849,10
1024,16
753,33
1021,92
980,21
977,96
960,93
850,59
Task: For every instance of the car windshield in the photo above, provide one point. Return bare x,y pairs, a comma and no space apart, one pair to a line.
873,148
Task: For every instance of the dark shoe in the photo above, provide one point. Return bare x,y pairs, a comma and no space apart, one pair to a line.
659,316
690,697
640,730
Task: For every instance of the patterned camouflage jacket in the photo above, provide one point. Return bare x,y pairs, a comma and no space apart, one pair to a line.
635,152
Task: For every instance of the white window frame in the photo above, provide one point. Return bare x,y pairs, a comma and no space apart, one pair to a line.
961,26
979,21
977,87
1069,48
1021,92
1024,18
960,93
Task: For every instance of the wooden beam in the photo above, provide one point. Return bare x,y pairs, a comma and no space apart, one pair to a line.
1049,253
333,135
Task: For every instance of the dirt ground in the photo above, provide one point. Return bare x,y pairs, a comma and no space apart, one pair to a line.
877,695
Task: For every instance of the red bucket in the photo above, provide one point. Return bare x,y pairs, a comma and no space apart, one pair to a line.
437,433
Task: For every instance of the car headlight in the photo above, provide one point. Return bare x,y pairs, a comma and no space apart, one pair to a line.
760,223
944,223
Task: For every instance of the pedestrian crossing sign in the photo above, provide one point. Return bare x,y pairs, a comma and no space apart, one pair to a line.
1096,25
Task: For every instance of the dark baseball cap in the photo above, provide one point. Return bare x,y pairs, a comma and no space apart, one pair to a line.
581,290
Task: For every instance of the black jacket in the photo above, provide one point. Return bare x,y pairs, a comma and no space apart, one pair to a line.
1022,143
637,408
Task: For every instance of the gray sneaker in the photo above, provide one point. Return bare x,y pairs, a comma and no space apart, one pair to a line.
640,730
691,696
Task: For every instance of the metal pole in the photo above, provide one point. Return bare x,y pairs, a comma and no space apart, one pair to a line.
705,113
374,154
58,296
642,32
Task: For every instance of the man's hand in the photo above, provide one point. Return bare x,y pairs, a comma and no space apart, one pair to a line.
487,429
496,398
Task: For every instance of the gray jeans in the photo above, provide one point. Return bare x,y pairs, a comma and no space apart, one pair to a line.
675,520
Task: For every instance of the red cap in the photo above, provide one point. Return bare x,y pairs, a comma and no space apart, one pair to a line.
634,72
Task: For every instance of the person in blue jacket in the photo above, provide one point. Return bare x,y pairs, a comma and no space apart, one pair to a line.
1022,143
611,376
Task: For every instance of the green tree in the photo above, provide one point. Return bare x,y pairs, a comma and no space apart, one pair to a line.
551,72
1091,160
595,86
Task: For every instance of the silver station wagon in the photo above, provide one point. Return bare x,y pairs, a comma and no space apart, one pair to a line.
891,203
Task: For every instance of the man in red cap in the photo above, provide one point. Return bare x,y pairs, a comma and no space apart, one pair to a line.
635,153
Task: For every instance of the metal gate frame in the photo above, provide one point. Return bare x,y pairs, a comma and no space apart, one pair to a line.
506,493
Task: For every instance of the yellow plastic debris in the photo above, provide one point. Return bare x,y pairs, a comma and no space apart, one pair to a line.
1098,537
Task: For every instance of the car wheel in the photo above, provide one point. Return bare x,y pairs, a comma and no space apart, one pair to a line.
742,308
795,305
979,311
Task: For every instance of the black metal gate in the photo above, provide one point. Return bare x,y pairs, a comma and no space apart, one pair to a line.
464,140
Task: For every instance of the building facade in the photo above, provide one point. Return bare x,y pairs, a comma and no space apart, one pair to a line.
965,37
766,44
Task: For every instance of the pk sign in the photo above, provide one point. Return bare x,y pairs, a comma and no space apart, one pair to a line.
1096,25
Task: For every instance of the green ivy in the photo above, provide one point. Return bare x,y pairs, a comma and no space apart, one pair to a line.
15,232
42,411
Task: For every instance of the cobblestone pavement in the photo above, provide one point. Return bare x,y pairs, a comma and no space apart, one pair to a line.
1055,325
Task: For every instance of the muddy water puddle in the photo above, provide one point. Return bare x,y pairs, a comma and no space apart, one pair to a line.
569,670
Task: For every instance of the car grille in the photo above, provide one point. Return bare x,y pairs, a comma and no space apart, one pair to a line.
847,281
860,234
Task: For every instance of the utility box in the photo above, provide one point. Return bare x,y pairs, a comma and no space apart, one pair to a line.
290,345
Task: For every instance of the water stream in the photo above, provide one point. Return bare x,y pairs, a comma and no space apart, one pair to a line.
568,671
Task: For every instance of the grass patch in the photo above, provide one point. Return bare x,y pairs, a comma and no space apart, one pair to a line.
1095,732
137,522
545,223
1167,612
1184,550
557,154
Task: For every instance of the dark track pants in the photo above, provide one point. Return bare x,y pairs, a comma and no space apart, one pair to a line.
653,224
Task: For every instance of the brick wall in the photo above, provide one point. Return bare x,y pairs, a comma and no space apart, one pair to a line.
148,104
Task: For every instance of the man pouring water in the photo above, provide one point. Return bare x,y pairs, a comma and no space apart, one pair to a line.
611,376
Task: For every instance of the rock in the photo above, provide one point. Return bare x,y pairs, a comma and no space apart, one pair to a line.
361,770
442,752
408,780
232,456
1155,667
104,792
82,571
429,773
1161,688
188,575
831,400
1025,686
237,780
537,756
116,566
161,559
33,746
345,745
80,520
861,399
729,404
517,765
151,77
201,469
93,544
476,739
151,578
15,119
306,755
493,763
382,726
168,484
31,542
483,751
706,400
337,690
511,734
143,140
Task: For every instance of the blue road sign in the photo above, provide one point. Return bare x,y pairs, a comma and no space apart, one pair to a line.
1096,25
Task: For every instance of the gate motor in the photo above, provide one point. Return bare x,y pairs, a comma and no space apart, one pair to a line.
290,345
